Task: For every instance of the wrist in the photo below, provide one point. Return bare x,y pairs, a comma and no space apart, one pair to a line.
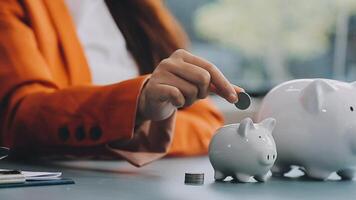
140,116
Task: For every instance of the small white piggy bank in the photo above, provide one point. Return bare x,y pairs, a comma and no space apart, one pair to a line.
316,127
243,150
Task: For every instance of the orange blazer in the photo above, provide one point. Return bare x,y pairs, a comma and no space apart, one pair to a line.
48,104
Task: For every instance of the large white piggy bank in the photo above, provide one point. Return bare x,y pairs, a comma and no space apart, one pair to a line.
243,150
316,126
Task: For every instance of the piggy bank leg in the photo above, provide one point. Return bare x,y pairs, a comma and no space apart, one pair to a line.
317,173
262,178
243,178
219,176
346,174
280,170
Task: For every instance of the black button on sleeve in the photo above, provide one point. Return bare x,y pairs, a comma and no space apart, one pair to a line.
80,133
95,133
63,133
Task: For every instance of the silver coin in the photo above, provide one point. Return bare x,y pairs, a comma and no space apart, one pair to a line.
244,101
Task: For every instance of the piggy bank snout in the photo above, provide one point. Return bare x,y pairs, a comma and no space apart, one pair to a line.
268,157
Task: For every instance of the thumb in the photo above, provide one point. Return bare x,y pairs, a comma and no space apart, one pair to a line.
168,99
171,94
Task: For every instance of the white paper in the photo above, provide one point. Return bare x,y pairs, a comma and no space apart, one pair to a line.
33,176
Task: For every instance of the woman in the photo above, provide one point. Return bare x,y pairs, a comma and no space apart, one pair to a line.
59,95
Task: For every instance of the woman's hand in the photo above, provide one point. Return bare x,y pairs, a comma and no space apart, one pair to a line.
180,80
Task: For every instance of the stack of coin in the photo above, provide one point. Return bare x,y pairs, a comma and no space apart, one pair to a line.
244,101
194,179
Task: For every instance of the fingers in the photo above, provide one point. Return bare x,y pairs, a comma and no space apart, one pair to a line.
199,77
226,90
179,81
238,89
187,89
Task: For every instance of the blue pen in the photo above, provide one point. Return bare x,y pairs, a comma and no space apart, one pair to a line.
4,152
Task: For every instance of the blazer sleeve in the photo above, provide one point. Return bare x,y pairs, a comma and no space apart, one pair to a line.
37,114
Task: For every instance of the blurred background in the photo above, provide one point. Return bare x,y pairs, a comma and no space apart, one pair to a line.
258,44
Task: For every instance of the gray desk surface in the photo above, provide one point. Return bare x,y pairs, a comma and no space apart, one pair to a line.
163,179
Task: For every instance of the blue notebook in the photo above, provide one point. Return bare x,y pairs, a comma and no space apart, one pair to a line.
61,181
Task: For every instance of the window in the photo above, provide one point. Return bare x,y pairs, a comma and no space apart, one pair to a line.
258,44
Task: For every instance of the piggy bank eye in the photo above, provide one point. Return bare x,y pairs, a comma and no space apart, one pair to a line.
351,108
259,136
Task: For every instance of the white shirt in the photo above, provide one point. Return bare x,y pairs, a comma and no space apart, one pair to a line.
102,41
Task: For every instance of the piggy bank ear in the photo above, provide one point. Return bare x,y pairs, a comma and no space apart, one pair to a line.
313,95
269,124
245,125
